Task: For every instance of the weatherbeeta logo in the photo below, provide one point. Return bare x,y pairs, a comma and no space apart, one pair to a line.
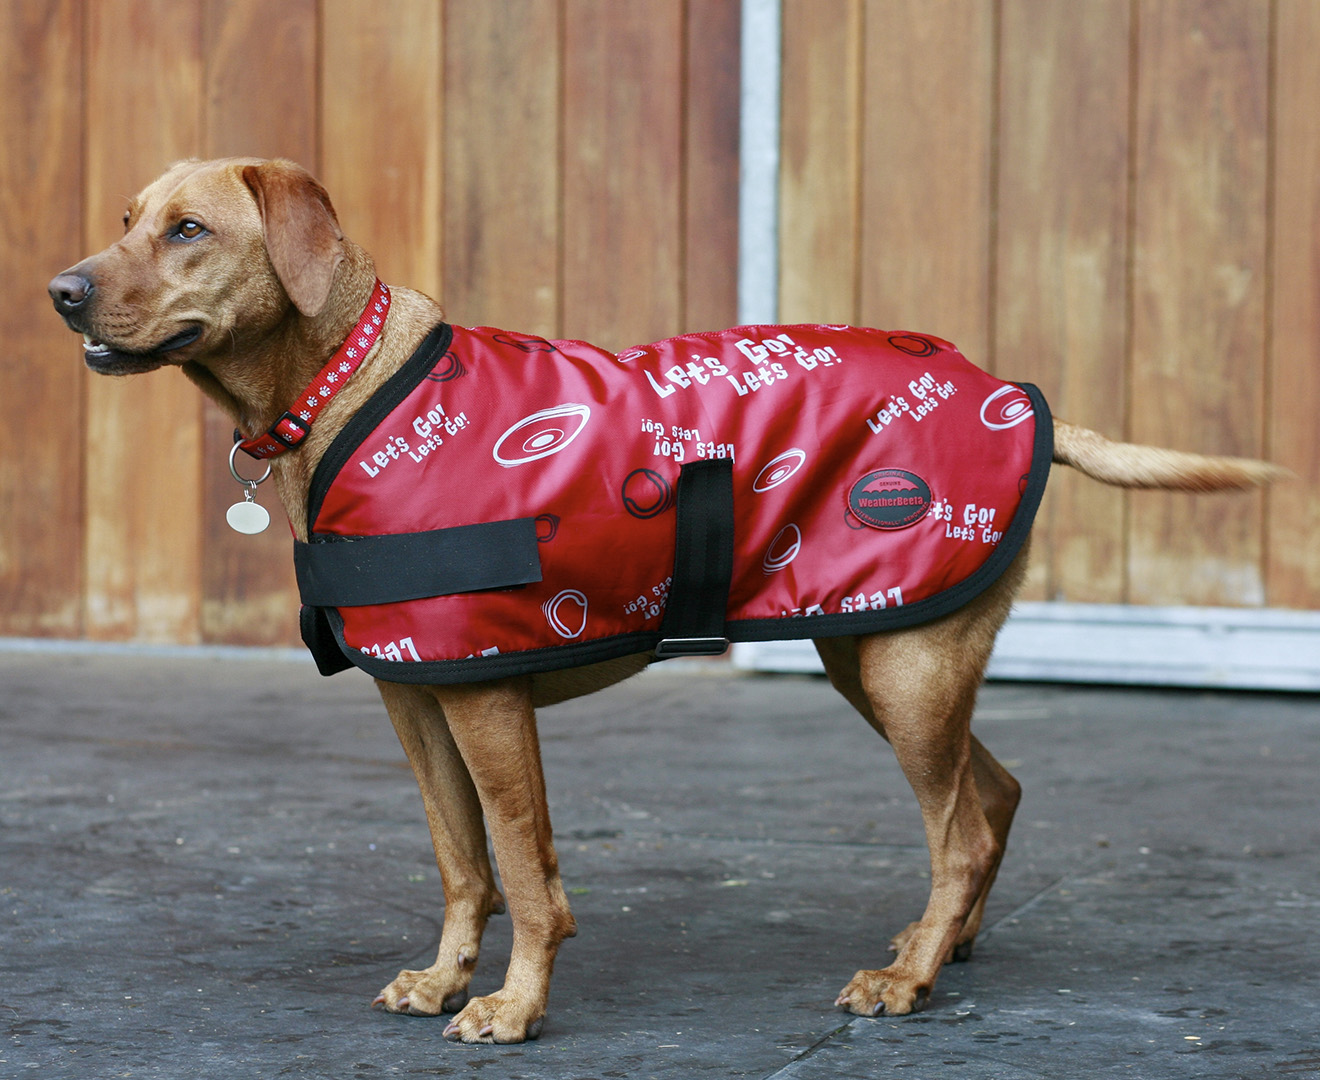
889,499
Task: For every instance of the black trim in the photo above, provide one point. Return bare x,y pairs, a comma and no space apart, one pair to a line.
579,653
496,666
377,407
703,561
412,566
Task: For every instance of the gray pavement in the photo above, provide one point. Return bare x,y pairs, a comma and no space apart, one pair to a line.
208,867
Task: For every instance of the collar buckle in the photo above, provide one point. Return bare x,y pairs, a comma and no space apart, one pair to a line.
289,430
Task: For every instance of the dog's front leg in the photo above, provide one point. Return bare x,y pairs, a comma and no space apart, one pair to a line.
494,728
458,834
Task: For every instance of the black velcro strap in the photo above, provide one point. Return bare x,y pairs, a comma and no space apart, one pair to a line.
411,566
320,641
703,562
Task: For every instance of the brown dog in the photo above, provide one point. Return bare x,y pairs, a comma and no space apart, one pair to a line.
237,271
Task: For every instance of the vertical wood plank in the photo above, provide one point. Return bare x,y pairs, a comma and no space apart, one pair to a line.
622,170
42,378
710,214
1294,401
926,169
501,190
260,101
143,462
261,79
1199,288
1061,282
381,86
819,200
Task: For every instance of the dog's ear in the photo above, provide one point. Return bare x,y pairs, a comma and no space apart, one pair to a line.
303,238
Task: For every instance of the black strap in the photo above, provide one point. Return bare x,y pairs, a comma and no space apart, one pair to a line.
319,637
411,566
703,562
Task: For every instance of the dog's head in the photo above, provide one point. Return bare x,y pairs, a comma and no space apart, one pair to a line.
212,253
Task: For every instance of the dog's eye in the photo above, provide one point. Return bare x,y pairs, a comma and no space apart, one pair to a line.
189,229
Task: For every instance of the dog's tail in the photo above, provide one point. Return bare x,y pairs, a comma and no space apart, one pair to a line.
1131,466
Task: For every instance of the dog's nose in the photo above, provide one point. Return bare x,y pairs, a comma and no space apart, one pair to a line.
70,292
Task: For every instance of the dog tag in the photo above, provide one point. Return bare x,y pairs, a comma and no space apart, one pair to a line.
248,517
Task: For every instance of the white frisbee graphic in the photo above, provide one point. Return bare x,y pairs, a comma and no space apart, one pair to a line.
1005,408
779,469
543,433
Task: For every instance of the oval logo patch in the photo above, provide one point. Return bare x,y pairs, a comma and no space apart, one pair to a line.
889,499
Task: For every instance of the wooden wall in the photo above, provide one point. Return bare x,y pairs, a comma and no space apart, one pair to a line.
1117,199
558,166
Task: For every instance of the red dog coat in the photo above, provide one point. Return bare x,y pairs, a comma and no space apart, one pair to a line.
507,504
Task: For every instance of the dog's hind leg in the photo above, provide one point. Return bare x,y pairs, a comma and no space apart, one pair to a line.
458,834
998,791
918,688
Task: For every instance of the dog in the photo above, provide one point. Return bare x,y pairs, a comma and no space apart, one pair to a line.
237,272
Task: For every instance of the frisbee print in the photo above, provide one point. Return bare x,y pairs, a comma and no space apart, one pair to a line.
543,433
777,470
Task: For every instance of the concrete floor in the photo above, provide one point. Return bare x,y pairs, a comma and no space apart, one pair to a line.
208,867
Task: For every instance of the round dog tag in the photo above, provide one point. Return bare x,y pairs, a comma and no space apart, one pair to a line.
247,517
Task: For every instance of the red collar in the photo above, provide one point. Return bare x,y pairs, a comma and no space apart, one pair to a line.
293,427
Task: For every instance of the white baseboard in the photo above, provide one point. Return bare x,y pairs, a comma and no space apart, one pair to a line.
1240,648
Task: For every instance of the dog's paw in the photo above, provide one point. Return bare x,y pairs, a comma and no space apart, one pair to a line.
441,988
502,1017
882,993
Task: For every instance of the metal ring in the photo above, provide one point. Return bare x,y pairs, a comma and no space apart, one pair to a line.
243,479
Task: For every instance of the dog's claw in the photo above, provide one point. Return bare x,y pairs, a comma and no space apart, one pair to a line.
879,1009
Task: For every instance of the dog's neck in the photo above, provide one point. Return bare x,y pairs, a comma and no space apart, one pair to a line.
257,384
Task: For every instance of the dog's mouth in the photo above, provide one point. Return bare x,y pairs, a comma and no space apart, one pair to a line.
105,359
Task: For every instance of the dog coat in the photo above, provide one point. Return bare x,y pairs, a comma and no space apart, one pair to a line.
507,504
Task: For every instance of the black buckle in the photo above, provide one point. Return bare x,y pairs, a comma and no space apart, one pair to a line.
291,439
672,647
